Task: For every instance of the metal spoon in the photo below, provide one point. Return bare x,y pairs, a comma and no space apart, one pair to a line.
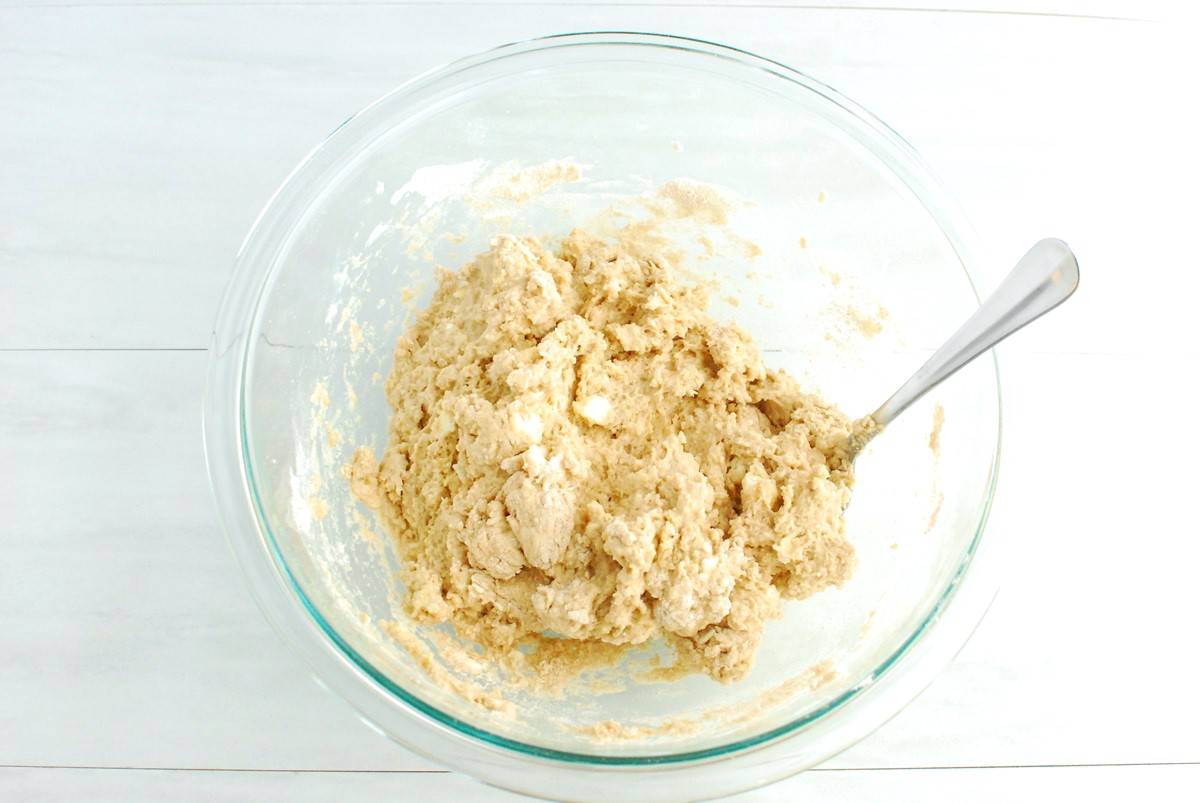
1044,278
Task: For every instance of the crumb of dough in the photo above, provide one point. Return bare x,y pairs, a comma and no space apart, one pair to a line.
804,242
677,146
356,336
363,473
822,197
701,492
690,199
318,507
520,185
320,396
333,436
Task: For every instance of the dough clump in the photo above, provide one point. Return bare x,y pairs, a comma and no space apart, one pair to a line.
580,451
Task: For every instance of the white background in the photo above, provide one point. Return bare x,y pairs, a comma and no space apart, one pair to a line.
139,140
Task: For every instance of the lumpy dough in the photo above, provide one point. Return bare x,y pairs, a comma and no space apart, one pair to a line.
578,450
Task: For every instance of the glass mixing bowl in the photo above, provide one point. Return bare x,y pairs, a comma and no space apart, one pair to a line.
852,229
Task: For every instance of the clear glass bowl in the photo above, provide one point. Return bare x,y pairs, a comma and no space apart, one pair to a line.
308,323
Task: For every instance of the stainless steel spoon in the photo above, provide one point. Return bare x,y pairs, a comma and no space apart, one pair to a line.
1044,278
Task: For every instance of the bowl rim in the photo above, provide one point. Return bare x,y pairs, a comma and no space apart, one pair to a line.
232,480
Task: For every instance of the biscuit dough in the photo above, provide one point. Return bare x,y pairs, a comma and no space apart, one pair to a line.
578,450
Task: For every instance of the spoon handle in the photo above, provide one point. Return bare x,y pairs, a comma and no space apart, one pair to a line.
1044,278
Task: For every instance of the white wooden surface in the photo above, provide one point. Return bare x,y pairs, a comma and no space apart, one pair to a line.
137,143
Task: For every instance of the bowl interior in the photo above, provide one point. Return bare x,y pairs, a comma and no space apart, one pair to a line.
857,282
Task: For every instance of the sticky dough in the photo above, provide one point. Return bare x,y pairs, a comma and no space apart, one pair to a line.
578,449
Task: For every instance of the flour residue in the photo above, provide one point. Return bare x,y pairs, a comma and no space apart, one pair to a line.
435,670
935,448
511,183
320,397
813,679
